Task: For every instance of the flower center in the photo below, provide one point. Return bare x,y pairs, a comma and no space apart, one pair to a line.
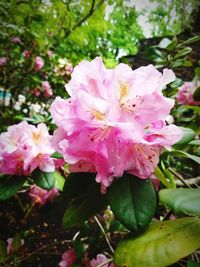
123,87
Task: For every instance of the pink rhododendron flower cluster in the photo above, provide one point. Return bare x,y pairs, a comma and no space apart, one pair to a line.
10,248
185,94
41,196
46,88
99,260
39,63
114,120
68,258
25,147
3,61
26,53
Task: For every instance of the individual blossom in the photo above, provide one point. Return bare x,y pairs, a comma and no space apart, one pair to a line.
25,147
16,40
3,61
36,91
39,63
99,260
185,94
26,53
64,67
50,53
114,120
46,88
10,247
68,258
41,196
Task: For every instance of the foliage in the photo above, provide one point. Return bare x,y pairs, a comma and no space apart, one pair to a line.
160,226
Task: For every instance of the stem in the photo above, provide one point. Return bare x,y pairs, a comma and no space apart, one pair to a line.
105,235
29,211
180,177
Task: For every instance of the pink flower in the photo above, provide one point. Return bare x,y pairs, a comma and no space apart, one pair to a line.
3,61
25,147
16,40
41,196
10,248
46,88
68,258
26,54
39,63
99,260
185,94
114,120
50,53
36,91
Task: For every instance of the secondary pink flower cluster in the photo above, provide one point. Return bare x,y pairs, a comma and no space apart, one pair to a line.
185,94
25,147
114,120
41,196
68,258
10,247
39,63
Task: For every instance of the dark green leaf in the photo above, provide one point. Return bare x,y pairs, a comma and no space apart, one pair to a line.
78,183
3,250
171,45
197,71
191,263
196,94
84,207
161,245
182,154
184,200
10,186
79,248
44,180
191,40
133,201
185,51
17,242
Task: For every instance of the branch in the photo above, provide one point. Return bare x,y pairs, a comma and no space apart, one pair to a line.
89,14
191,181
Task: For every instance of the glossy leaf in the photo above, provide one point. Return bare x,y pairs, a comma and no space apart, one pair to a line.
77,184
133,201
162,244
196,94
84,207
184,200
59,181
44,180
191,263
10,186
188,135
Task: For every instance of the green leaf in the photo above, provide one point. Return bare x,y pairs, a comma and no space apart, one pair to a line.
171,45
79,248
44,180
57,155
182,53
77,184
196,94
164,43
194,143
191,40
191,263
188,135
3,250
182,154
10,186
197,71
133,201
161,177
17,241
59,181
184,200
162,244
84,207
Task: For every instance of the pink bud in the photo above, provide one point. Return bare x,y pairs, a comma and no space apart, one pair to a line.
39,63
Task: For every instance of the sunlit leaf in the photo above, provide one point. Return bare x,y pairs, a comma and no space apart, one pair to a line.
161,245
